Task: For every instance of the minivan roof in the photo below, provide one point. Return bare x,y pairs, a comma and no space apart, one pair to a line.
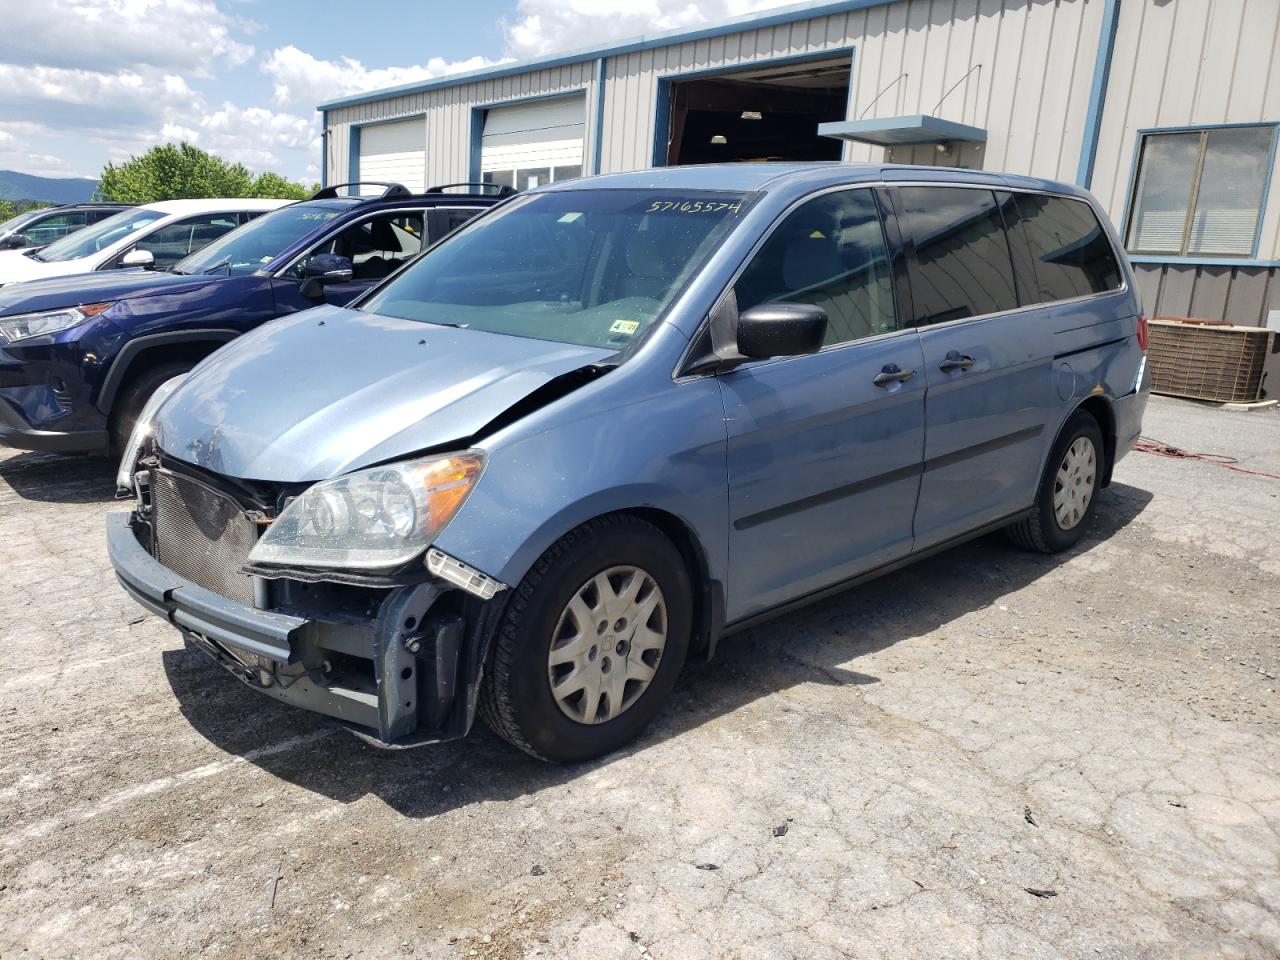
748,177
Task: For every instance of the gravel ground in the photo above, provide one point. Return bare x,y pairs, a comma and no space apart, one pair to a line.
991,754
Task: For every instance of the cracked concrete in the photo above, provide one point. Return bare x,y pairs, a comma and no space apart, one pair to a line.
1125,694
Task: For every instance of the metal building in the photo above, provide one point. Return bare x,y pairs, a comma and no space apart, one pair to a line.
1166,109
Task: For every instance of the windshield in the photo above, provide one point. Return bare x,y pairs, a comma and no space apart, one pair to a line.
589,267
98,237
256,244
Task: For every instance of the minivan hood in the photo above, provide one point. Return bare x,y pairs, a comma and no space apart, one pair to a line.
54,292
330,390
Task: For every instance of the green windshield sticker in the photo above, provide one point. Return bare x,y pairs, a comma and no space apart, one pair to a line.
320,215
570,217
694,206
627,327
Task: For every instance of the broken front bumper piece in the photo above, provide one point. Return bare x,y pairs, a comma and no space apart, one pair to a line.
406,675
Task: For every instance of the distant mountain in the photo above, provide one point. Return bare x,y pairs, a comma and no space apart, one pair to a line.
24,186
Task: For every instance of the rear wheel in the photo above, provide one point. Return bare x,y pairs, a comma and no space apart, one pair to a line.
591,642
134,396
1068,490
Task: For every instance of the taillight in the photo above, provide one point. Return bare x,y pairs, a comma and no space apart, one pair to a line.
1144,334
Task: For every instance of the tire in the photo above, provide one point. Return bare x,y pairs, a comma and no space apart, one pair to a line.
516,698
1044,530
134,396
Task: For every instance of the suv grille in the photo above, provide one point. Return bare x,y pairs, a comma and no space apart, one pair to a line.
202,535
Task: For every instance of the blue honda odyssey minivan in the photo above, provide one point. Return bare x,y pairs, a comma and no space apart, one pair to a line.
616,419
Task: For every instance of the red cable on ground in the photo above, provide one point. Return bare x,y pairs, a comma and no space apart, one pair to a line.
1161,449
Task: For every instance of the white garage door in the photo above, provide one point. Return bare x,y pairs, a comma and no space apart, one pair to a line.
534,143
395,152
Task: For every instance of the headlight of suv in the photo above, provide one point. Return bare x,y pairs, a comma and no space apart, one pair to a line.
375,519
138,436
40,324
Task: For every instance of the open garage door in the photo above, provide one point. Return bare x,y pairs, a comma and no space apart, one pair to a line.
395,152
758,113
529,144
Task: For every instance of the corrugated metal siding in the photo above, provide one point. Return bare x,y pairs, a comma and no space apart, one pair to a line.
1030,60
1189,62
1030,90
1026,57
1238,295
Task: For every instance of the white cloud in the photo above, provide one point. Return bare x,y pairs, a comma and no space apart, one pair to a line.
16,154
111,35
112,78
543,27
253,136
57,97
304,80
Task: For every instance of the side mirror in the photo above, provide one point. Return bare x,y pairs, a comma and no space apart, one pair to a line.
781,330
324,268
139,258
14,242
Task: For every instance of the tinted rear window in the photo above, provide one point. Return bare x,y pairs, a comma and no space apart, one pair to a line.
1070,252
961,265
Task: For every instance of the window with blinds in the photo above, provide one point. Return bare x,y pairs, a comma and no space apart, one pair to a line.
1200,192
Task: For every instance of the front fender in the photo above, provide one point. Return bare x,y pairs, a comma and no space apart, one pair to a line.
659,446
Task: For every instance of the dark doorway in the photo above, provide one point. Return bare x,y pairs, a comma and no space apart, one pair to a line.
760,113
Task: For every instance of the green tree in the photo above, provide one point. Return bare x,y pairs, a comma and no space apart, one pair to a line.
11,208
183,171
273,185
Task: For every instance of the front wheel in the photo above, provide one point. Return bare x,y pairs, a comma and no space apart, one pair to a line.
591,642
1068,490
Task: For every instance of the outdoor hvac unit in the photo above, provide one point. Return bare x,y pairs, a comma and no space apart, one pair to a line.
1206,361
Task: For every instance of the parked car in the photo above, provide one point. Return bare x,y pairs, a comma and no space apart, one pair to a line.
38,228
142,328
149,236
612,421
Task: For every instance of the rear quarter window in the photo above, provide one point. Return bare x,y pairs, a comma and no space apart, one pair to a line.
1071,255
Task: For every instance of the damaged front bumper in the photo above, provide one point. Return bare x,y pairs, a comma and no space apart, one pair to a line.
400,670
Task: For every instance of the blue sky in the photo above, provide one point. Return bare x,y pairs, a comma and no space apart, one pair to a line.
85,82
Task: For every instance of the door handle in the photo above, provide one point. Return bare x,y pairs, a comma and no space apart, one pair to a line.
954,360
892,373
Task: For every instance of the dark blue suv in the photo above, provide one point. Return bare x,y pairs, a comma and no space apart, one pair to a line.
80,355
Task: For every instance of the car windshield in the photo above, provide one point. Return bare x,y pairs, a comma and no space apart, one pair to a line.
589,267
258,242
90,240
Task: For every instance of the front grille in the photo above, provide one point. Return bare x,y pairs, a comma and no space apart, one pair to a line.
202,535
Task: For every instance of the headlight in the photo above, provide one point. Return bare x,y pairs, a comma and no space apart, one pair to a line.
138,436
49,321
375,519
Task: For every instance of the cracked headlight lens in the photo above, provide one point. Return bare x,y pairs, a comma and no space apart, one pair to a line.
374,519
41,324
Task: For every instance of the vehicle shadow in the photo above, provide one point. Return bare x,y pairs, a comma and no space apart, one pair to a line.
813,645
58,478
